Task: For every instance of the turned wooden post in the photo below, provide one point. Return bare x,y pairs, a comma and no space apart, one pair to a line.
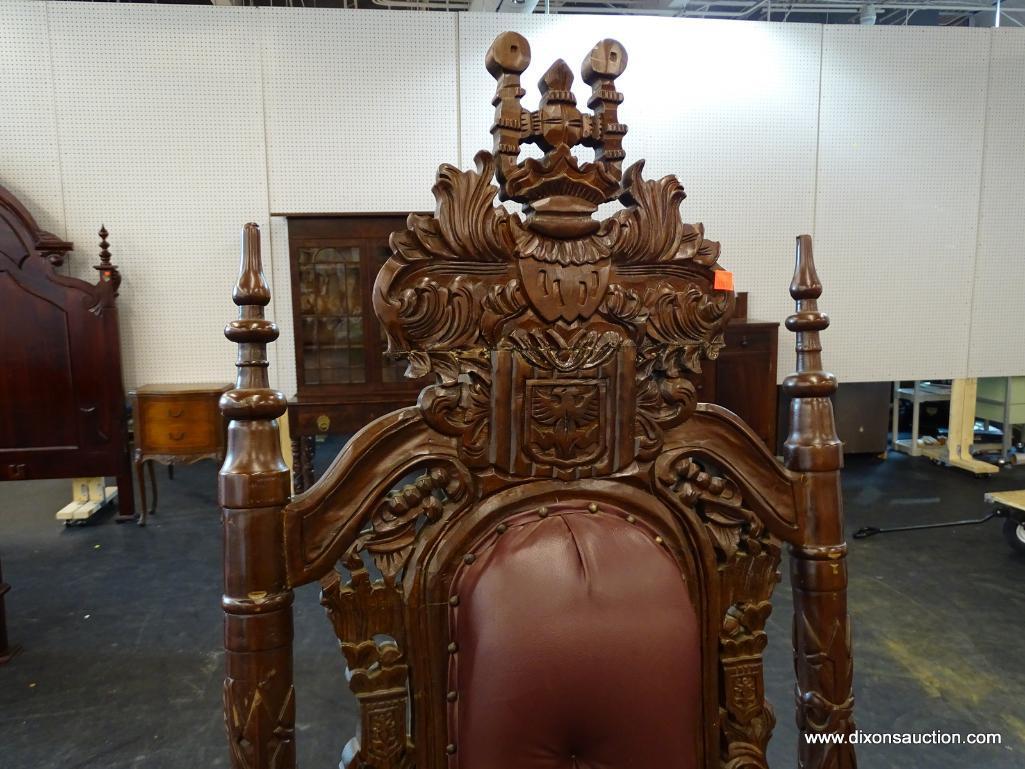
818,569
259,701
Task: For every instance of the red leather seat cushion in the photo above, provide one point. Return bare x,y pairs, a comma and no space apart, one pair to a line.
578,646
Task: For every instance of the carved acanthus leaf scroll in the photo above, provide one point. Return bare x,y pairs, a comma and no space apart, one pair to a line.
467,225
650,229
463,410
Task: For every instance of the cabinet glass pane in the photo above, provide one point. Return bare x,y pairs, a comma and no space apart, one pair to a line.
331,310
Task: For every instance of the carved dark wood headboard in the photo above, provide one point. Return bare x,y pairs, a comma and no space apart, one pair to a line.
62,401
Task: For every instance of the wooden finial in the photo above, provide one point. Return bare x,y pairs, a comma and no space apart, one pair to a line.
251,331
108,271
252,403
812,443
806,323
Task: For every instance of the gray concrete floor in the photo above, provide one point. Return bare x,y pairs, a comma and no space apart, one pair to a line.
122,631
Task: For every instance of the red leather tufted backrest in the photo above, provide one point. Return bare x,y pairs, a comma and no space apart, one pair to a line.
576,647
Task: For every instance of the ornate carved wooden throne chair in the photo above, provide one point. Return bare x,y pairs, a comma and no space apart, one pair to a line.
578,570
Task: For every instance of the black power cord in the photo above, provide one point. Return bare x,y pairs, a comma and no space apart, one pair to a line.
871,531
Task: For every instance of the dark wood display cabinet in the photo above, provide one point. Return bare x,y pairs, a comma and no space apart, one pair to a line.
345,381
745,376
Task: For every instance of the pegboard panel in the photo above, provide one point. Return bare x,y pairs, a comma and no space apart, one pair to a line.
30,166
997,348
730,108
902,114
160,117
361,107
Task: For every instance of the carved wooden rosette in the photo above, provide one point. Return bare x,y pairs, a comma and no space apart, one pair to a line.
747,557
561,344
818,568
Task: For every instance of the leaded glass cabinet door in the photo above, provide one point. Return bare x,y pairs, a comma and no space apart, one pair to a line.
332,332
341,369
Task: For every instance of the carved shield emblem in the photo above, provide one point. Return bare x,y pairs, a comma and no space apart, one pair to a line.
744,694
384,735
564,291
565,421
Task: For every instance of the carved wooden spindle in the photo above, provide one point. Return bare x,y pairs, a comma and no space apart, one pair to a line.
822,627
259,701
107,270
506,60
600,69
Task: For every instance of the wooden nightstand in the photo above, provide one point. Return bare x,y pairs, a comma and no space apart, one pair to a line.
175,423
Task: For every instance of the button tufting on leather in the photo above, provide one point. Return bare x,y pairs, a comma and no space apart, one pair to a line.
532,630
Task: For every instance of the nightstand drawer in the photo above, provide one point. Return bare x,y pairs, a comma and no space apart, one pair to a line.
179,435
178,410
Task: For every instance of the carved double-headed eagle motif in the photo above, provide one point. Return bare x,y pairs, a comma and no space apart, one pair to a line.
566,292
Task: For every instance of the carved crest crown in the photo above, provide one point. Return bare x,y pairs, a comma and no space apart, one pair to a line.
572,335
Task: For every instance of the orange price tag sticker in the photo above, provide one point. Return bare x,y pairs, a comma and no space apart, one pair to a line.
723,281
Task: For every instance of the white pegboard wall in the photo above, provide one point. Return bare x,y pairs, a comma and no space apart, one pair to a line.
170,120
997,348
731,109
29,159
361,107
900,148
160,116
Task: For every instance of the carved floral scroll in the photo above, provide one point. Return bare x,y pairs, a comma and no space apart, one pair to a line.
748,561
368,615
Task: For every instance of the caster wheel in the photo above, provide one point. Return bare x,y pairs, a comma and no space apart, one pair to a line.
1014,533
